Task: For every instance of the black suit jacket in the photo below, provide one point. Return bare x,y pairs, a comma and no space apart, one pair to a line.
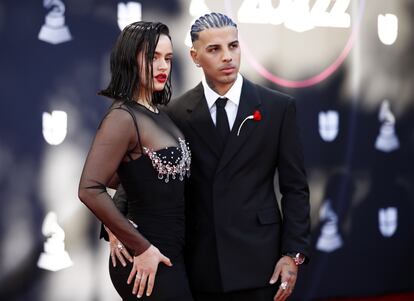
235,230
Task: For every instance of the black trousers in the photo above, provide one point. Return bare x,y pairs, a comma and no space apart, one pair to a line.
258,294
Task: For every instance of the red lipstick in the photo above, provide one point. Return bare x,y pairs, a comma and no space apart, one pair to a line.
161,78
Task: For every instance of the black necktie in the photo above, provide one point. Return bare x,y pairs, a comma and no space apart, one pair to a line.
222,122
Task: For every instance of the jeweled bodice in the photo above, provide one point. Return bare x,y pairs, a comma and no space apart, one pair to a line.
171,162
153,176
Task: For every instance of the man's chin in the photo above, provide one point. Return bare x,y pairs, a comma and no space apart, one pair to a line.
230,78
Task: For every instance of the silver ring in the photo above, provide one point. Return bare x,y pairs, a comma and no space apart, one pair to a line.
284,285
120,246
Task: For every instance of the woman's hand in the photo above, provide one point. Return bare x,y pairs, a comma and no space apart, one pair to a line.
144,270
117,249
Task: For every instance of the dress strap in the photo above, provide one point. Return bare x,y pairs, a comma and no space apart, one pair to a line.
127,109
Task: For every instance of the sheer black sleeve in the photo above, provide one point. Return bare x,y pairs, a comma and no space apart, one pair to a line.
120,202
114,138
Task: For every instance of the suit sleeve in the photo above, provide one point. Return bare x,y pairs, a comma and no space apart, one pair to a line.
293,186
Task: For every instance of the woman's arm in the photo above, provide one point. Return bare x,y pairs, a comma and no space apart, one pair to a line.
114,138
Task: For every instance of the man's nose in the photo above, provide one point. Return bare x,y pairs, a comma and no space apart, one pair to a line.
227,56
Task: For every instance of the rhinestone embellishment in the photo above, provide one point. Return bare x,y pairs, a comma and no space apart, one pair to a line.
166,167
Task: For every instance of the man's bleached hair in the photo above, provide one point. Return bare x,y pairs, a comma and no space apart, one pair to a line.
212,20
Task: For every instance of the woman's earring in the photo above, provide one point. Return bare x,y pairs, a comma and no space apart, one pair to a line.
198,65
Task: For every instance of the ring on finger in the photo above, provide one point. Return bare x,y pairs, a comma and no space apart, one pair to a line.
284,285
119,246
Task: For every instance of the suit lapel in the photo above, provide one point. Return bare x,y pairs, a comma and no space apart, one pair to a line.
249,102
200,119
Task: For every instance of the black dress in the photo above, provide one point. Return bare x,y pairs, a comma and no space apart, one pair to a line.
152,174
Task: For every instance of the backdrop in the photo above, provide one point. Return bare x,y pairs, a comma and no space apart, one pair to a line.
349,64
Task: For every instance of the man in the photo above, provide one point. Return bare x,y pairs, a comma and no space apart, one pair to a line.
236,234
240,135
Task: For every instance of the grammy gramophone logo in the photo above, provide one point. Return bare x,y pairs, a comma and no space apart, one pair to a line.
54,257
329,239
387,139
54,31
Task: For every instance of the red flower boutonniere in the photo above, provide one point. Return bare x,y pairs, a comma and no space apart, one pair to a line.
256,117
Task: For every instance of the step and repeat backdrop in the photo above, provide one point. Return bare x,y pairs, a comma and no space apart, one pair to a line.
348,63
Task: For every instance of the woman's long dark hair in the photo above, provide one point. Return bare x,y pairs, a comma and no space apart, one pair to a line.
139,38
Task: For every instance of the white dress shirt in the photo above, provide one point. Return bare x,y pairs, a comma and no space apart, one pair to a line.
233,96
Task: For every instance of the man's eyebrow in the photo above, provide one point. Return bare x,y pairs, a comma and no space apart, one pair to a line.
218,45
212,45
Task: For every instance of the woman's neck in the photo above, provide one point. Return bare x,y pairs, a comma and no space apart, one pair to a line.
142,100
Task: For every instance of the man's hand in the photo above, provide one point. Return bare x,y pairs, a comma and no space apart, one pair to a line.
117,249
144,269
287,270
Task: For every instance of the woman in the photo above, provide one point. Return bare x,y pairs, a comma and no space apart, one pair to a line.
138,146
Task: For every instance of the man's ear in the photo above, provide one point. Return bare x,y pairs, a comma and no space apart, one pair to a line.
193,53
